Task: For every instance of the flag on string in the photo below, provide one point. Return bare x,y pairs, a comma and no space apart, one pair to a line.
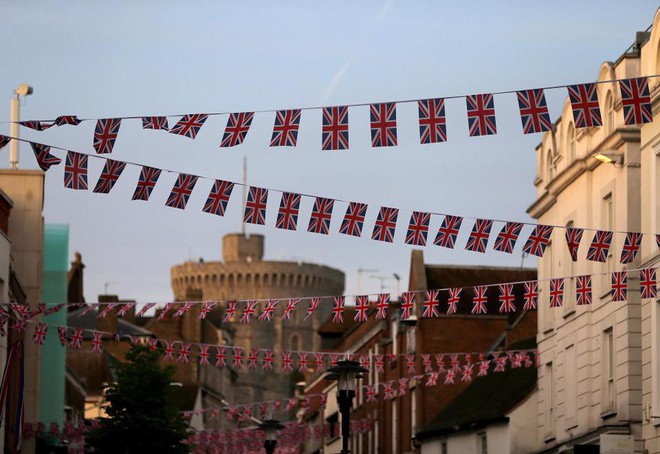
218,197
573,238
631,246
403,386
507,298
583,290
354,219
584,102
556,292
432,121
383,124
189,125
287,216
230,311
207,307
255,206
97,342
302,362
237,358
481,115
450,377
36,125
600,246
431,304
253,356
313,305
381,305
426,363
388,390
647,283
500,363
268,360
508,236
249,311
158,123
538,240
169,350
43,156
533,111
319,361
287,362
319,221
334,133
76,339
478,239
479,300
371,392
361,308
267,314
238,125
385,225
40,332
203,355
111,172
484,365
285,129
454,298
468,371
338,309
75,171
418,228
407,305
105,134
636,101
72,120
184,353
181,191
220,357
146,183
619,286
4,141
448,231
291,305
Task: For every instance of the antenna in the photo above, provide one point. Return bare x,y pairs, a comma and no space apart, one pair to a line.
359,273
244,193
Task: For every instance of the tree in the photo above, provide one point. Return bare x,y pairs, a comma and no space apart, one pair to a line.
142,417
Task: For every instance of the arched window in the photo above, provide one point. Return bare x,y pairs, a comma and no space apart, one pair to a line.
571,142
550,167
609,113
295,343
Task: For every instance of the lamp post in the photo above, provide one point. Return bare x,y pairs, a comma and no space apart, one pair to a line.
345,372
15,117
270,428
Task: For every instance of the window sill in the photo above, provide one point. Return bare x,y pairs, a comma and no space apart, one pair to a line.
571,423
606,414
549,438
569,312
548,329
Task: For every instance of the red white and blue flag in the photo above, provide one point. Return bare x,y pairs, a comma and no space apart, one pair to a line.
238,125
573,238
291,305
203,355
479,300
249,311
334,135
508,236
418,229
313,305
454,298
507,298
354,219
218,198
478,239
538,240
448,231
181,191
287,216
385,225
97,342
600,246
381,305
155,123
531,295
533,111
111,172
556,292
319,222
620,286
636,101
361,308
189,125
40,332
72,120
268,360
105,134
584,102
75,171
287,364
220,357
481,115
630,247
407,304
647,282
338,309
431,304
383,124
146,183
36,125
255,206
43,156
267,314
432,121
4,141
583,290
285,129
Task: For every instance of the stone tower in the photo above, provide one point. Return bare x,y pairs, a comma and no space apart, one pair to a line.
245,275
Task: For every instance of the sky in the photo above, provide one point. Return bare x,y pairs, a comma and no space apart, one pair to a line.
98,60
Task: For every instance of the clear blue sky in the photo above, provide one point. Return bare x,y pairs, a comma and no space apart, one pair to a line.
105,59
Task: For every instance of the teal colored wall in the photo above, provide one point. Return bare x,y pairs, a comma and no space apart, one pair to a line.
53,355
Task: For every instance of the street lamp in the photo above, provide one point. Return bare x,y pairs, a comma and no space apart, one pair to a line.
345,372
15,117
270,428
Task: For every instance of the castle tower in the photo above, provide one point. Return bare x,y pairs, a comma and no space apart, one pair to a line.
243,275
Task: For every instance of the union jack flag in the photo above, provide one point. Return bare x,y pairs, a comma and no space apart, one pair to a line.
630,247
573,238
230,311
479,300
111,172
302,362
636,101
380,363
181,191
97,342
155,123
600,246
385,225
290,307
534,111
432,121
146,183
431,304
383,124
484,365
647,283
500,363
267,314
105,134
338,309
319,361
72,120
220,357
388,390
361,308
36,125
556,292
253,356
506,240
319,222
61,334
334,134
372,392
4,140
203,355
538,240
285,129
249,311
450,377
184,353
75,171
403,386
481,115
313,305
440,363
287,216
237,358
448,231
255,207
238,125
426,363
407,304
468,371
287,362
454,298
40,333
354,219
583,290
206,308
478,239
620,286
189,125
218,197
43,156
183,309
76,339
584,102
268,361
381,305
418,229
432,379
507,298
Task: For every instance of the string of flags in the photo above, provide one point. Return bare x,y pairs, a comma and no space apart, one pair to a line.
432,121
384,228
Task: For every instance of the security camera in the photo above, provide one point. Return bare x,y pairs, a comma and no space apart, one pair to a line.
24,90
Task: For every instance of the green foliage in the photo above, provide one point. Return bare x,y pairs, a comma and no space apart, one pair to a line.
142,417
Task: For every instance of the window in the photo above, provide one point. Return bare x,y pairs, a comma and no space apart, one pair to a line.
295,343
443,447
572,144
609,113
609,370
410,339
570,386
549,397
550,167
482,443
